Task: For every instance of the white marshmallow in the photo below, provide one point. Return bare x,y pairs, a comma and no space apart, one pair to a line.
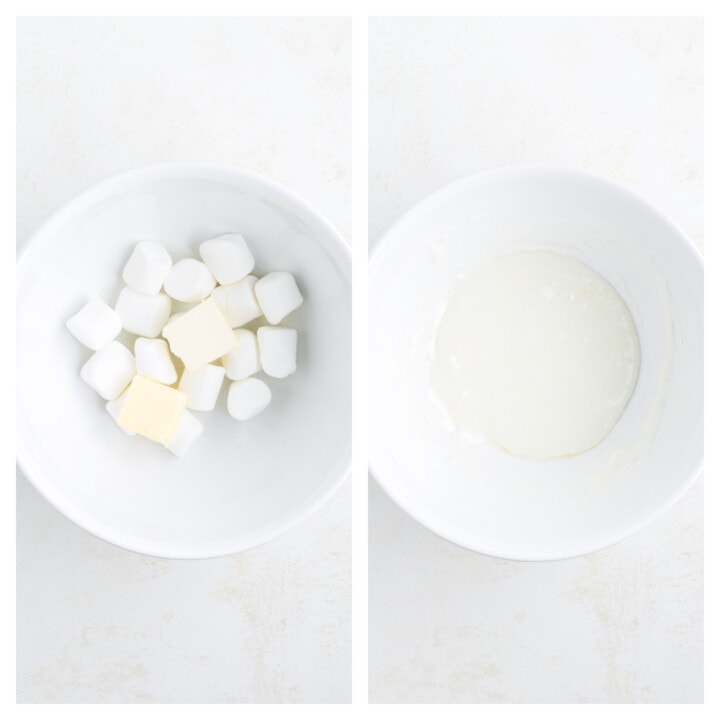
237,301
109,370
114,406
189,281
144,315
228,258
278,295
278,350
179,306
244,360
202,386
247,398
175,316
188,431
147,268
95,324
152,358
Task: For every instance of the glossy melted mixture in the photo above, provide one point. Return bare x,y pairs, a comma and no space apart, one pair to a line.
537,353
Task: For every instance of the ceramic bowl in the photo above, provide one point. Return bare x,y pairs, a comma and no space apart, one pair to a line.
242,483
476,495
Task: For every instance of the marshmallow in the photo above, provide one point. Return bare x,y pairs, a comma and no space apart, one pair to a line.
244,360
237,301
109,370
152,358
175,316
200,336
189,281
95,325
228,258
278,295
202,386
143,314
188,431
278,350
247,398
147,268
114,407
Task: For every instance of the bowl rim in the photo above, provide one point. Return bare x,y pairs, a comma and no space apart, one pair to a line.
509,171
26,462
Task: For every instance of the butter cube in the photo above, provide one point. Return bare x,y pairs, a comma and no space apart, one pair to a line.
114,407
200,336
152,409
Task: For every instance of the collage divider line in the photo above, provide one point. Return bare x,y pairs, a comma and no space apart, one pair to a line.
359,360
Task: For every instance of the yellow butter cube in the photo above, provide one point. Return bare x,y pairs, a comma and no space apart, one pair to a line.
200,335
152,409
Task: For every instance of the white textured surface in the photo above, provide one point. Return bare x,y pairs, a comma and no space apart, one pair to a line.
623,98
96,623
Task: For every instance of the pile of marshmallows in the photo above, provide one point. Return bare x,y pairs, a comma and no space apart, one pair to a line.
142,389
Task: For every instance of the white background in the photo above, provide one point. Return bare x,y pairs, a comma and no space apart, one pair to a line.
623,98
96,623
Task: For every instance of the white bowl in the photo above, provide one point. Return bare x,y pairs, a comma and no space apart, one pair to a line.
241,484
477,496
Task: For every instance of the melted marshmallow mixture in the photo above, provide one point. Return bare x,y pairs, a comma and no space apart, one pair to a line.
537,353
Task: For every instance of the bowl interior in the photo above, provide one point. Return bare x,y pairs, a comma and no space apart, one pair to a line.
478,496
241,483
